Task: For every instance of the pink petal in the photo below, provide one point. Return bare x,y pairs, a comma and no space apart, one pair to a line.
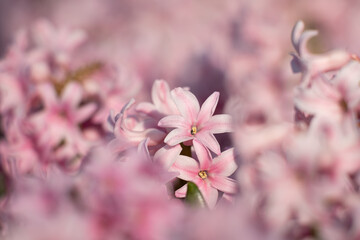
72,94
209,193
75,39
208,108
44,32
203,155
161,97
147,108
181,192
48,95
143,150
224,164
187,167
127,106
330,61
118,145
177,136
208,139
187,104
296,33
111,120
174,121
155,136
223,184
303,40
218,124
167,155
85,112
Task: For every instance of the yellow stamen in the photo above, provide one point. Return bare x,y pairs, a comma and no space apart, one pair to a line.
203,174
193,130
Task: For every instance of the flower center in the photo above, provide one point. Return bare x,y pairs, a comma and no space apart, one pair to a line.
203,174
193,130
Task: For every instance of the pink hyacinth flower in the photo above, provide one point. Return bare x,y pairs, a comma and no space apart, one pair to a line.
313,64
336,98
130,129
210,175
195,122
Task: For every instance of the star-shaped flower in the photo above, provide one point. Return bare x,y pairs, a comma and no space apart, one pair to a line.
210,175
195,122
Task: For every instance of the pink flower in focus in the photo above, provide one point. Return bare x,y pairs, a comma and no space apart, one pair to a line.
195,122
210,175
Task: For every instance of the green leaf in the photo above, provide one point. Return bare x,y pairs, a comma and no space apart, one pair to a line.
194,196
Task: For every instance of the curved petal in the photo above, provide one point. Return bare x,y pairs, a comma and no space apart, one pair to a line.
187,104
181,192
303,40
118,145
85,112
177,136
72,94
161,97
167,155
143,150
224,164
209,193
136,136
75,39
224,184
208,108
148,109
208,139
329,61
187,167
203,155
296,33
155,136
218,124
48,95
174,121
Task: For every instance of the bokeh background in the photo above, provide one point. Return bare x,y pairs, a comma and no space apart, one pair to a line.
191,42
240,48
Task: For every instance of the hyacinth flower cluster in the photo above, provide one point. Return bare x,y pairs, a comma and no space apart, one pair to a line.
71,170
306,179
52,109
180,135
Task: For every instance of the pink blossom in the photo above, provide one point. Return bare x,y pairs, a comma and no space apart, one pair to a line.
61,117
130,128
162,105
333,98
114,86
195,122
60,43
313,64
210,175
